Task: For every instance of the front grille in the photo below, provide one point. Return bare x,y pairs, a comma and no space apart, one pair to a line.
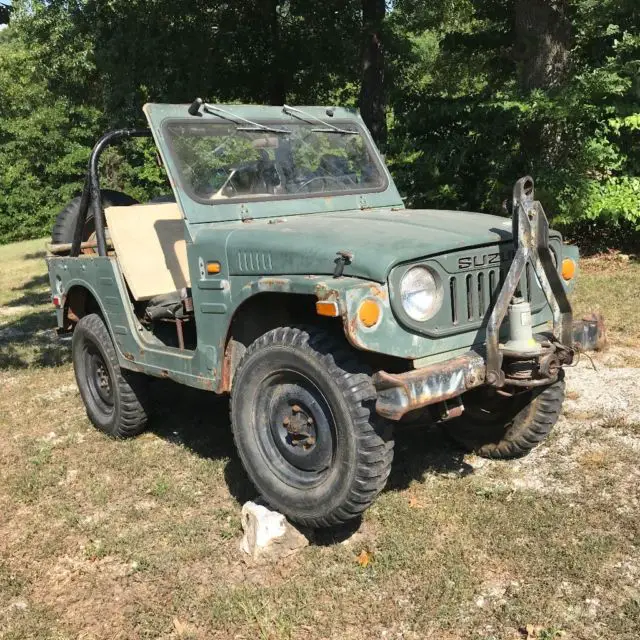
471,280
473,294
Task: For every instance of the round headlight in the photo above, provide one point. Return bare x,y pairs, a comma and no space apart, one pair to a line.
421,296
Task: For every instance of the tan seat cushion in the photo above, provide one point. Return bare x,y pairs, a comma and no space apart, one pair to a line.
150,246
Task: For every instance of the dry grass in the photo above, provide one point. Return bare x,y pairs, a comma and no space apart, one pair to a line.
611,284
139,539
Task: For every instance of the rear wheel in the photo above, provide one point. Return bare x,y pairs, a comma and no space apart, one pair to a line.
304,423
494,426
65,224
115,399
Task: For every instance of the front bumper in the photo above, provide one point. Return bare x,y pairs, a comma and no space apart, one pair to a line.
400,393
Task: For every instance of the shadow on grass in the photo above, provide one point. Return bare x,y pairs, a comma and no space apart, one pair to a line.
38,255
32,295
32,341
199,421
422,450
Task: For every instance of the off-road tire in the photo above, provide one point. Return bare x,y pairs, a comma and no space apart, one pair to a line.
514,432
65,224
361,441
125,416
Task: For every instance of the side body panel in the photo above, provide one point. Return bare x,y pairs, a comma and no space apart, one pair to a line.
217,298
101,276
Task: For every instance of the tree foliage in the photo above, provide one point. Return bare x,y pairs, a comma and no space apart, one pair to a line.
490,90
464,96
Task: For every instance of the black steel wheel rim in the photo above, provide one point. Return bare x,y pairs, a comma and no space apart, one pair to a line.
99,378
295,428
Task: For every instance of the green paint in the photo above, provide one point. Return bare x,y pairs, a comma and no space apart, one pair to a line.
289,246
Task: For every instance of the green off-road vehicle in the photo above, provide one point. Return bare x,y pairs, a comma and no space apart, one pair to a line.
285,271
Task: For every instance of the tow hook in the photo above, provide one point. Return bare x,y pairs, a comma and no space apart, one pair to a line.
531,244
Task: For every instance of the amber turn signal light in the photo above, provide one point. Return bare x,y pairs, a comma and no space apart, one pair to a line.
568,269
213,268
327,308
369,313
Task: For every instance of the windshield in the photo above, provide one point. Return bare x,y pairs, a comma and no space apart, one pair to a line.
221,161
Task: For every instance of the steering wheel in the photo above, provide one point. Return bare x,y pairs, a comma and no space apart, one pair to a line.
338,181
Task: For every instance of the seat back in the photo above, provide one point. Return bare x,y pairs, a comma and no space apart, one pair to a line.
149,243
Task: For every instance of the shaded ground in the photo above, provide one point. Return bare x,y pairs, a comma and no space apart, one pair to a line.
103,539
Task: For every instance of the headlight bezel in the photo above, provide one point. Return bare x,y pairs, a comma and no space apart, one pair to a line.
438,294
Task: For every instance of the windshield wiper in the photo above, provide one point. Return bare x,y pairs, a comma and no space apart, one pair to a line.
309,117
232,117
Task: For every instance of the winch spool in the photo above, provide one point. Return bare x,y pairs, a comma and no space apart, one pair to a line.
521,340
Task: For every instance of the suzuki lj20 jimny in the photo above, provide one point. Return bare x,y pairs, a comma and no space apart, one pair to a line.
285,271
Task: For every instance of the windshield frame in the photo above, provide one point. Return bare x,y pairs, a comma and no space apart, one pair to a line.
360,131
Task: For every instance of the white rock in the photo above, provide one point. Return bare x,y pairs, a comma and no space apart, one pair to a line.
268,533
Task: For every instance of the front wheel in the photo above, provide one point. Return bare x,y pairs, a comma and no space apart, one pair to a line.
499,427
304,423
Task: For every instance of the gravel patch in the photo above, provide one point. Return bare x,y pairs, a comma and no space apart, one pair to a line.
599,429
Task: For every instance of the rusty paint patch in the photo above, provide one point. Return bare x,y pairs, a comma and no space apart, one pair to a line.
225,381
274,282
351,325
378,291
128,355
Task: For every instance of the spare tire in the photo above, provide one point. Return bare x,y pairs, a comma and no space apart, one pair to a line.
65,224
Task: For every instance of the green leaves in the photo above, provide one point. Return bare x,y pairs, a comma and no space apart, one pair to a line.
463,131
461,125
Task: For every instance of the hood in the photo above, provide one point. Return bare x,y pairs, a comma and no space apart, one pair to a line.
379,239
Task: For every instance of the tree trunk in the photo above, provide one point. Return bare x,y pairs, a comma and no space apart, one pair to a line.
542,46
4,13
277,89
372,90
543,41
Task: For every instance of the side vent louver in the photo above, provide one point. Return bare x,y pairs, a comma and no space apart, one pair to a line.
254,262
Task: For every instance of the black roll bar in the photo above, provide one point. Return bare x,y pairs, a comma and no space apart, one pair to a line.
91,191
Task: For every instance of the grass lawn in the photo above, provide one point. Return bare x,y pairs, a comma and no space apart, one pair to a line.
611,285
139,539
